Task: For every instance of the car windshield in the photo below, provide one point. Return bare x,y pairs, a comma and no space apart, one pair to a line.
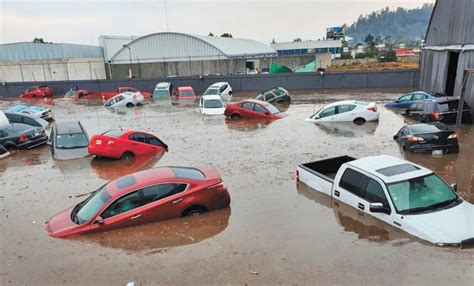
211,91
161,92
421,194
186,93
272,109
213,103
71,141
70,94
85,210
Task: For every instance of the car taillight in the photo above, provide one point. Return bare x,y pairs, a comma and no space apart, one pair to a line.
217,187
23,138
416,139
436,115
372,108
453,136
110,142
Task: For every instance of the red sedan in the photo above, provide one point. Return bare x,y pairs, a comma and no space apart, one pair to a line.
147,196
184,92
251,108
125,144
37,91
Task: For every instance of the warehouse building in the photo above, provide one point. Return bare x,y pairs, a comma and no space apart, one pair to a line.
334,47
177,54
449,49
28,61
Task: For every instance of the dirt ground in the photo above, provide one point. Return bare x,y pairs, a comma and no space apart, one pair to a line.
375,66
275,232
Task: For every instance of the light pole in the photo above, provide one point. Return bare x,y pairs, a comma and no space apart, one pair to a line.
130,57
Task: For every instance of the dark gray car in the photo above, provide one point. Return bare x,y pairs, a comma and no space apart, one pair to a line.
27,119
22,136
69,140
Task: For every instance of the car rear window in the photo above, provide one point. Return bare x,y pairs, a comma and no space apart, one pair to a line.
425,128
114,132
188,173
397,170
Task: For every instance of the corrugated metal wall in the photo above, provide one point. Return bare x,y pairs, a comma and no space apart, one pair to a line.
34,52
434,70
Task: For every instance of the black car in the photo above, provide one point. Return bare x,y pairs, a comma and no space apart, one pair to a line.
27,119
442,109
69,140
433,138
277,94
22,136
3,152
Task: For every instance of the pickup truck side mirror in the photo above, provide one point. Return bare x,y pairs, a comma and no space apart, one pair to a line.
99,220
455,187
379,208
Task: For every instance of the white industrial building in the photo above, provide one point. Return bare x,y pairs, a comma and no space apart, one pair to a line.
334,47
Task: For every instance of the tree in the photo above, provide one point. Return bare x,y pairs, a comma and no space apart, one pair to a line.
388,56
211,34
369,38
346,56
297,40
39,41
226,35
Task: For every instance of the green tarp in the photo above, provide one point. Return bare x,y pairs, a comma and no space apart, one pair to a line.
276,68
310,67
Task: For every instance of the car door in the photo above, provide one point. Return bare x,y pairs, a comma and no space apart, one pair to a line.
124,211
326,114
246,109
345,113
138,144
261,111
163,201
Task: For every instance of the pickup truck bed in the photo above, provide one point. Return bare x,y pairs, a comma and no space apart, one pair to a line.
319,175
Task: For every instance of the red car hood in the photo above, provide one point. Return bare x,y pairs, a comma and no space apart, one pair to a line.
60,224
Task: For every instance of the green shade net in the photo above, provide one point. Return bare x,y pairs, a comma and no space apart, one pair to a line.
277,68
310,67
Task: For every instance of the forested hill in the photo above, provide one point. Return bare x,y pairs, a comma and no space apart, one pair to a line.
393,25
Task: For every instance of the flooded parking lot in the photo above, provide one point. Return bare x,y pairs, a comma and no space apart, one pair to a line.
275,232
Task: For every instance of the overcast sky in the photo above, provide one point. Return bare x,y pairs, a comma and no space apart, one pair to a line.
73,21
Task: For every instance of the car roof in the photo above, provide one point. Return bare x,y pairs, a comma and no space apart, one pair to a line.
374,164
184,88
211,97
253,101
68,127
162,85
32,116
218,84
344,102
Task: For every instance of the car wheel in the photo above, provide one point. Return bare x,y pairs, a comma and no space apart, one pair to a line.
235,116
127,156
195,212
11,147
129,105
359,121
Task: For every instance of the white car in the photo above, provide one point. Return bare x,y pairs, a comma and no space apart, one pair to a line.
212,105
126,99
346,111
223,89
404,195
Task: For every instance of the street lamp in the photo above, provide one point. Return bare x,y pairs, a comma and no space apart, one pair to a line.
130,56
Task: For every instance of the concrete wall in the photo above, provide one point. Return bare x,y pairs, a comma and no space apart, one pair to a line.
53,70
301,81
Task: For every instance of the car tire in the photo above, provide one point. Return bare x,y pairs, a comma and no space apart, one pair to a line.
359,121
235,116
129,105
194,211
10,147
127,156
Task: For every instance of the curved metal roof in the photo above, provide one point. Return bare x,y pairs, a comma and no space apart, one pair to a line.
167,46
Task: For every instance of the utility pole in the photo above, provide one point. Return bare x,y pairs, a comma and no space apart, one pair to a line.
166,17
467,74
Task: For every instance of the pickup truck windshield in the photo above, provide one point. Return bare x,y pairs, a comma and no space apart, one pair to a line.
421,194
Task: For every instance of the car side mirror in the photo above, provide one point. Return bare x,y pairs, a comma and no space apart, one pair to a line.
99,220
455,187
230,92
379,208
267,113
395,137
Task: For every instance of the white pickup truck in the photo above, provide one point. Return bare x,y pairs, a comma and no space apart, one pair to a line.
400,193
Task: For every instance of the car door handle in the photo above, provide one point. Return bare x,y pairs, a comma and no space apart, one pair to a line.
134,143
136,216
337,193
177,201
361,206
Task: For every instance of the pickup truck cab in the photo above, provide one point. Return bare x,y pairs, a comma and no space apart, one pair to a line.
402,194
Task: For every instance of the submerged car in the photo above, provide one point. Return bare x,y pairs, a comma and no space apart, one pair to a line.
277,94
22,136
434,138
222,89
346,111
251,108
27,119
184,92
125,144
441,109
163,90
126,99
69,140
406,100
143,197
37,91
211,105
37,110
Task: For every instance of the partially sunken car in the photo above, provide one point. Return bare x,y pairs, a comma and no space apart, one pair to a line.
442,109
28,119
37,91
404,195
22,136
143,197
251,108
346,111
126,99
222,89
69,140
163,91
211,105
277,94
37,110
435,138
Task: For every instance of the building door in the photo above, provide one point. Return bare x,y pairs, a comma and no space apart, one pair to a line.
452,69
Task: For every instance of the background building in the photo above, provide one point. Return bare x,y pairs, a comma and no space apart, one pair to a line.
449,49
177,54
334,47
28,61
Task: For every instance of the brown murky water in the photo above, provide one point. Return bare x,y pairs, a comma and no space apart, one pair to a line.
276,232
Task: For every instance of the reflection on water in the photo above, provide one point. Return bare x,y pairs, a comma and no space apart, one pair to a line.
352,220
245,125
348,129
108,169
73,167
21,158
155,237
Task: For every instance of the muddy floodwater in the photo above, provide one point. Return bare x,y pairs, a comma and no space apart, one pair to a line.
275,232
